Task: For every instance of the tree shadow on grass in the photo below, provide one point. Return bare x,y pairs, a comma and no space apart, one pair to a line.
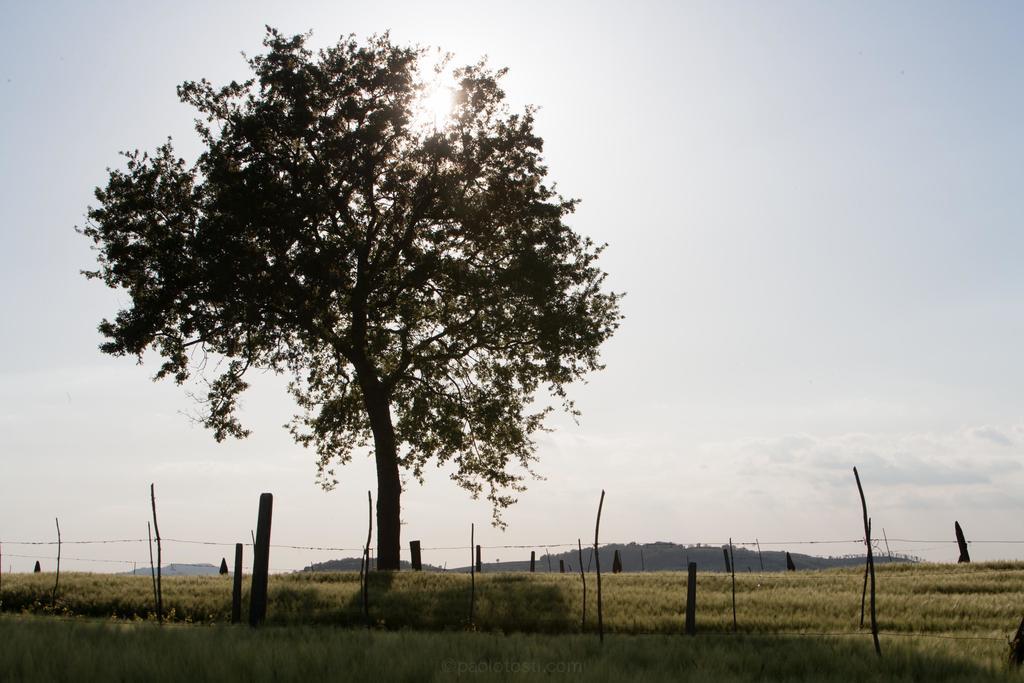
501,602
429,601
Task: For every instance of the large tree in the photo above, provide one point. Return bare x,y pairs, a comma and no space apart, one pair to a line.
414,279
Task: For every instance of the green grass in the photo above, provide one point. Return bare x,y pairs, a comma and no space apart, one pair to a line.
984,599
50,649
939,622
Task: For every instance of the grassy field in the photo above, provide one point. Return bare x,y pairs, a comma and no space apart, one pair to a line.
939,622
55,649
979,598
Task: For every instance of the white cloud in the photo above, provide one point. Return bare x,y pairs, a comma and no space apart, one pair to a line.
916,483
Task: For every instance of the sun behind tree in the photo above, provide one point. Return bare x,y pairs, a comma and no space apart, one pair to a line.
435,104
418,285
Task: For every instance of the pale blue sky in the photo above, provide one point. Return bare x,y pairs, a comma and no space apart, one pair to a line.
815,209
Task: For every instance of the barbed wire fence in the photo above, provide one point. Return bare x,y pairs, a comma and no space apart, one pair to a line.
140,566
904,551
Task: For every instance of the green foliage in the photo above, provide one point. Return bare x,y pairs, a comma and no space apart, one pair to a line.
418,283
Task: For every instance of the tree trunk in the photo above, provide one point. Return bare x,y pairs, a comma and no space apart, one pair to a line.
389,484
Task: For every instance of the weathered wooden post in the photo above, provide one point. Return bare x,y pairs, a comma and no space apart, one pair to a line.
152,568
871,563
732,567
472,575
261,562
416,560
759,558
364,576
561,566
597,561
236,587
965,556
864,588
1017,646
479,564
533,561
691,599
56,582
643,565
159,560
616,562
725,555
583,578
790,565
223,566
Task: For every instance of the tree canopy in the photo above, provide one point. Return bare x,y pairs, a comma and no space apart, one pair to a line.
416,282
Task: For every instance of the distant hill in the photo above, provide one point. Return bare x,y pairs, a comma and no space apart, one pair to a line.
352,564
664,556
180,570
652,557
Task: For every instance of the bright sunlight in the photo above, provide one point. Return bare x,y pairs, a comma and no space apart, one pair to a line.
436,102
435,107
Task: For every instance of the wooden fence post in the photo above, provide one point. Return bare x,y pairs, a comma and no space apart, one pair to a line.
643,565
1017,646
691,599
616,562
597,564
864,588
583,577
759,558
472,575
871,563
152,569
223,566
887,551
732,567
366,574
38,569
56,582
725,555
159,560
236,587
416,560
790,565
561,566
261,561
965,556
479,563
533,561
